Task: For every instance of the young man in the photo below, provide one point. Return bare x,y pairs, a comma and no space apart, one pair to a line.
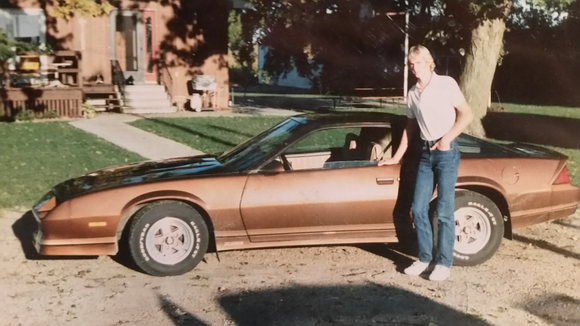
438,109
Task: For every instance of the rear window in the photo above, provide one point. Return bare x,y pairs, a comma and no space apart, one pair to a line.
472,146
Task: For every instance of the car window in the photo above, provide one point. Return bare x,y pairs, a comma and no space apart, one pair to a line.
323,140
339,148
248,153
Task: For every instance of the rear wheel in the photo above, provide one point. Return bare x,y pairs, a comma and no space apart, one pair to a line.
167,238
478,228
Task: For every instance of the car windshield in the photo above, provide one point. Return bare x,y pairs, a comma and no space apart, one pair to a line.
249,152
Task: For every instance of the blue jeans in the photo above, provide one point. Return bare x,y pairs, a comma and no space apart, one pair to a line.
436,168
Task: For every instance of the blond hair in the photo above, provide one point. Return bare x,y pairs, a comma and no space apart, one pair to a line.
423,52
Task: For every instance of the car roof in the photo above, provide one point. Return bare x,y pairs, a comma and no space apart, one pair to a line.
334,118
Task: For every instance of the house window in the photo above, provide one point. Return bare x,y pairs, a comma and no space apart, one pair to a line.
26,25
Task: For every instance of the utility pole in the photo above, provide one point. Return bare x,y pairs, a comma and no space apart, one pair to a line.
405,64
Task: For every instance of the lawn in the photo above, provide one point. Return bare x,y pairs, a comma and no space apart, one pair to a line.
208,134
554,111
36,156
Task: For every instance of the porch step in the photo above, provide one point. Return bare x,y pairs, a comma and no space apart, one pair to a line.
146,99
147,110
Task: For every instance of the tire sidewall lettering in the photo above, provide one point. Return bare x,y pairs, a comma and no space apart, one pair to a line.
142,236
484,208
196,239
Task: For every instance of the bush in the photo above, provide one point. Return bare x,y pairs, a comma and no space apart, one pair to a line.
29,115
24,115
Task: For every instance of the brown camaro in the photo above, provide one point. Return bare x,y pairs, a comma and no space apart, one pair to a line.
310,180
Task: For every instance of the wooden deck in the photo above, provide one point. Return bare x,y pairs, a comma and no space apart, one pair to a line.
66,102
58,89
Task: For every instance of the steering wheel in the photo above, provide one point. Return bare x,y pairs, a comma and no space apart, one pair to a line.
287,165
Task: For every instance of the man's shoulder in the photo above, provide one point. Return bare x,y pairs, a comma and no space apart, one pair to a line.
444,79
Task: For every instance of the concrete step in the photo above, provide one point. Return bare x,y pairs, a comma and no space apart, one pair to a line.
149,101
144,89
146,110
147,98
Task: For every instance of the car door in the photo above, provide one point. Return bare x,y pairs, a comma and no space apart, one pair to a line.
338,198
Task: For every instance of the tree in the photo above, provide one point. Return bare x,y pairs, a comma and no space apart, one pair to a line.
486,22
68,8
331,42
243,69
332,33
546,39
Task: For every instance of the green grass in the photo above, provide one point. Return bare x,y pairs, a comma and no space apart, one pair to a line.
554,111
208,134
36,156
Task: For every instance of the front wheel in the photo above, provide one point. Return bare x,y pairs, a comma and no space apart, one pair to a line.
167,238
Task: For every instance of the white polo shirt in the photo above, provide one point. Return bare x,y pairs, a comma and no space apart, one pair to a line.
434,106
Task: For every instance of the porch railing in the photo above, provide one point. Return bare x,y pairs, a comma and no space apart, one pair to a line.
34,90
166,80
65,102
118,78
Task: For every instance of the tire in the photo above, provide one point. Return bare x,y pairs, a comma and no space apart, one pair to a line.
167,238
479,228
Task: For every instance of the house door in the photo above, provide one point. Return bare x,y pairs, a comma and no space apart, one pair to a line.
133,44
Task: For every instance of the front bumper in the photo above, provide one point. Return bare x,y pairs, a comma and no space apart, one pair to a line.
38,236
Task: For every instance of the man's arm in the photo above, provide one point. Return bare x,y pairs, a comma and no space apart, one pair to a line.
408,133
464,117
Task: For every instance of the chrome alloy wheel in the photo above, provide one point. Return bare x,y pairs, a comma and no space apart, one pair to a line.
169,241
472,230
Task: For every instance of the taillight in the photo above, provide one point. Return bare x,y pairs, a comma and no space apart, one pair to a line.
563,177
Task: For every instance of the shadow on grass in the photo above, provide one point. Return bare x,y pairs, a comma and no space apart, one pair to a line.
556,309
24,229
547,246
233,131
188,130
369,304
285,102
531,128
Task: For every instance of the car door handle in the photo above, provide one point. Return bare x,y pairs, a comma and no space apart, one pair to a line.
385,181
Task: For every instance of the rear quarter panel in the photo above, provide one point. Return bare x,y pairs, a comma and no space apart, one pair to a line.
525,183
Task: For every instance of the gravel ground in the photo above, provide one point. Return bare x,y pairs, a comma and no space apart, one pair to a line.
532,280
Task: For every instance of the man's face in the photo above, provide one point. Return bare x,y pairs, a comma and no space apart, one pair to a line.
419,66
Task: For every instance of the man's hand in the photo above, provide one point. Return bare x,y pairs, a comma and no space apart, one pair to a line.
441,145
388,161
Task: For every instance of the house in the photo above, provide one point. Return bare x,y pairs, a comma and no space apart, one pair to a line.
144,47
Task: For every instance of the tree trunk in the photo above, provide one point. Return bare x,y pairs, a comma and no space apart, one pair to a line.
480,62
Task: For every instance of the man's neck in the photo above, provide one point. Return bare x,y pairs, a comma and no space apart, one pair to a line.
423,81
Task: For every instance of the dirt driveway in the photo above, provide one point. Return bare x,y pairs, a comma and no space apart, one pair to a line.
533,280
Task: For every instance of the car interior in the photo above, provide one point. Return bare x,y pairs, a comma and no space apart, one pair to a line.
344,147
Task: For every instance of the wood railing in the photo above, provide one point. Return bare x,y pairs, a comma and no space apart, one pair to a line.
65,102
118,79
58,89
166,80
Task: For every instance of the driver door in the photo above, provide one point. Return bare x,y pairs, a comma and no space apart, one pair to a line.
328,196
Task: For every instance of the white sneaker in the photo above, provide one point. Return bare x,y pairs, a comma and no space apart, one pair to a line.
417,268
440,273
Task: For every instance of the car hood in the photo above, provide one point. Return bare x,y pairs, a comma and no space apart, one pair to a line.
138,173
